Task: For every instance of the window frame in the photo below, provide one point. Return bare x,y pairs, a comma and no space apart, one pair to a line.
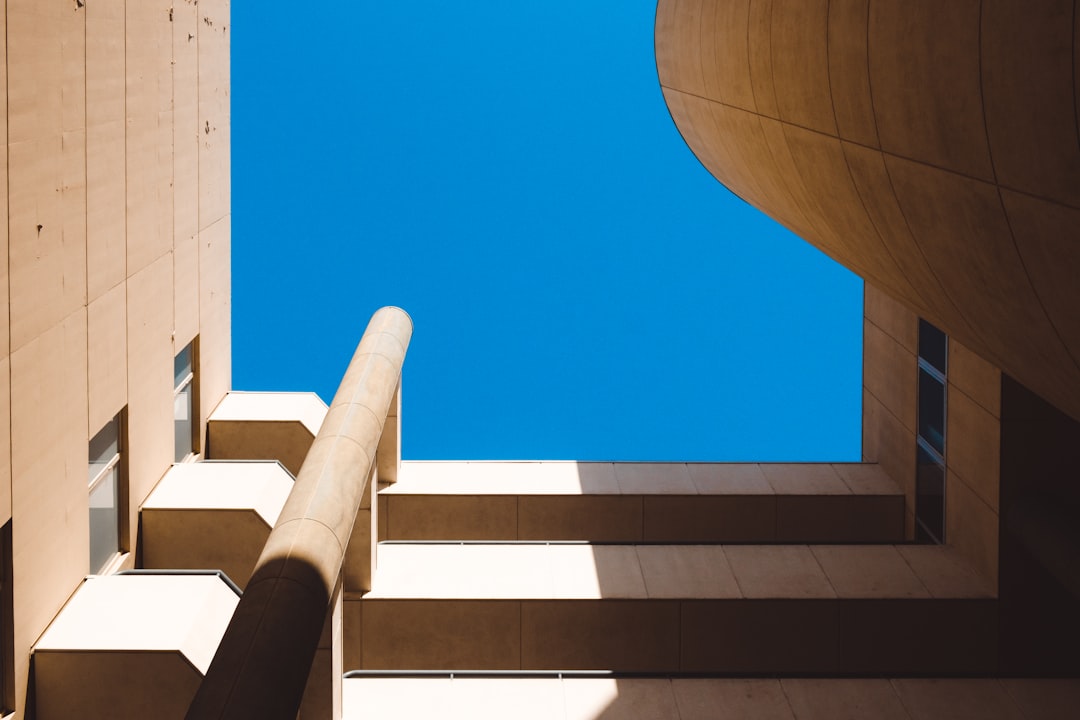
116,467
190,383
925,445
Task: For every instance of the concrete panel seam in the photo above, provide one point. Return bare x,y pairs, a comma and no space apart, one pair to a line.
952,387
883,153
832,99
1027,275
313,520
772,65
971,488
907,225
997,185
916,574
889,335
886,408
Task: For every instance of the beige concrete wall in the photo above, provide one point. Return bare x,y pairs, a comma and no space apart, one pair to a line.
973,459
890,389
116,233
929,146
973,427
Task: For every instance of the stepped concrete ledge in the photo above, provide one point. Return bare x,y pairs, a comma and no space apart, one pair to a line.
642,502
741,609
265,425
131,646
213,514
571,698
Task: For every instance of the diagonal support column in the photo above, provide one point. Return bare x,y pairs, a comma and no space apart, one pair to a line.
264,659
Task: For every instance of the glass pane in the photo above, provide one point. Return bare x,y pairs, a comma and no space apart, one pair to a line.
182,415
104,521
932,345
181,366
932,410
930,498
103,447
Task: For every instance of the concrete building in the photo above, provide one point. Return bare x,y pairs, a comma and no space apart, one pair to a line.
933,149
116,229
604,589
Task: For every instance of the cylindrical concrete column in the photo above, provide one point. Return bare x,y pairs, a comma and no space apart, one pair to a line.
263,662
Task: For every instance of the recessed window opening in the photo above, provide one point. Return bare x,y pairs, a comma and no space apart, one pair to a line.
184,404
105,480
930,441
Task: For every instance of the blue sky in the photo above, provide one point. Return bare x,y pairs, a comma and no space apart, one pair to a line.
508,173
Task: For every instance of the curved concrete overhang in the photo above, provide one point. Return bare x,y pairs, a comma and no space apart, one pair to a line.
931,147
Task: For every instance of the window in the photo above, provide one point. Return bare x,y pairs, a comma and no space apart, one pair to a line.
105,481
184,403
930,441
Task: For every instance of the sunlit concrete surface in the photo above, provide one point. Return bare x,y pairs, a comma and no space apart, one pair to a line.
567,477
215,514
643,502
583,571
576,698
265,425
303,407
130,646
736,609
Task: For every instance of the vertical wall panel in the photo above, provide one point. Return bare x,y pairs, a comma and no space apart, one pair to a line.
50,531
214,112
106,225
107,356
73,143
39,290
724,38
163,180
971,527
801,72
144,172
106,203
185,290
849,77
4,329
150,378
759,51
681,69
1031,99
186,139
927,99
215,312
214,219
890,358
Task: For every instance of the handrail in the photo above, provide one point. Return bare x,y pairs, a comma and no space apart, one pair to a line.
262,664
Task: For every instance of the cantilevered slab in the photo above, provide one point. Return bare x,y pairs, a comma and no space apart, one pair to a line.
265,426
214,514
588,698
740,609
132,646
642,502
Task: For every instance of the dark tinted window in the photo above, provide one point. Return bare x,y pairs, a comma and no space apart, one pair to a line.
929,498
932,346
932,410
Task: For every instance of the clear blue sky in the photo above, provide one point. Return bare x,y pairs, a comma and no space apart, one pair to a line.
508,173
